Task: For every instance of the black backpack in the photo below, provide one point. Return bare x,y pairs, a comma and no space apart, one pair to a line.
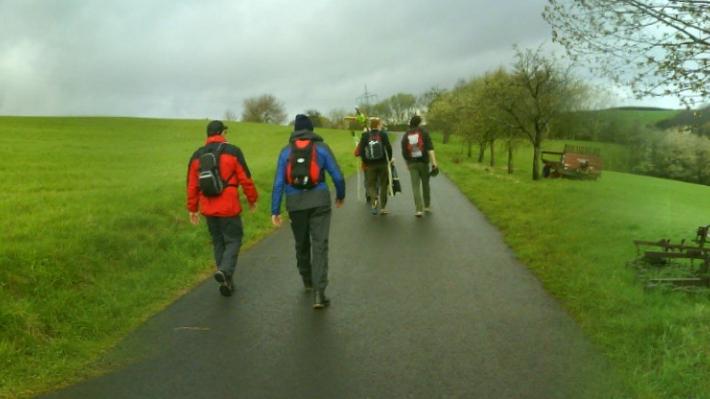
211,183
374,149
302,170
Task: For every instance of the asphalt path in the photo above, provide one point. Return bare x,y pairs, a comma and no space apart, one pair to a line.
432,307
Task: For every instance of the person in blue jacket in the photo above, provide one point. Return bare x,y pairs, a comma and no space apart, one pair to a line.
308,202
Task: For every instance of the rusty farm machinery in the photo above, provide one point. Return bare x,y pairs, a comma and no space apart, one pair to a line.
663,254
574,162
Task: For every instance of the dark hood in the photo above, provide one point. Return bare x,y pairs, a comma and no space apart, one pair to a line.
305,135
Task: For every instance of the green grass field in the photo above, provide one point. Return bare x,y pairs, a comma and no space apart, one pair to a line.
94,236
94,239
577,236
644,116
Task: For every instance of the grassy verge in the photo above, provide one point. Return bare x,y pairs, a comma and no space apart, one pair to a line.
577,236
94,237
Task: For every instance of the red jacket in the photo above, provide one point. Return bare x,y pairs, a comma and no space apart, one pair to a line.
232,166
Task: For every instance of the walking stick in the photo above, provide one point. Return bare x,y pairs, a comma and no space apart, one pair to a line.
390,191
358,166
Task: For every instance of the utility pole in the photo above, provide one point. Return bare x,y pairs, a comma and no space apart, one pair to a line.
365,98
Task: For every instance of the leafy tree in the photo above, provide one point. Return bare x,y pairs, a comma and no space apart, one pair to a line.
402,106
470,120
336,118
646,149
658,47
264,109
540,92
673,154
383,111
441,115
316,117
455,113
500,93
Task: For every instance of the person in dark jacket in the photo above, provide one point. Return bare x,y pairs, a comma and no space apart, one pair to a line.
375,150
223,211
308,208
418,151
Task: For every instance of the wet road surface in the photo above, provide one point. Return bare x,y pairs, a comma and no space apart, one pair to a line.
433,307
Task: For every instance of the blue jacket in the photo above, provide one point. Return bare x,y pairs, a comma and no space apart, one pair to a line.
298,199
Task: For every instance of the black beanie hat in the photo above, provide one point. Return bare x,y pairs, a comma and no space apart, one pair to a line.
302,122
415,121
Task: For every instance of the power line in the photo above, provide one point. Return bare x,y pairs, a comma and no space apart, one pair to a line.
365,97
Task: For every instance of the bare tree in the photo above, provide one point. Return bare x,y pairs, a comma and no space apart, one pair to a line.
229,115
264,109
425,100
336,118
657,47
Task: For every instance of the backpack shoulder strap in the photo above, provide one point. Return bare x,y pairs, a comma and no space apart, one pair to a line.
237,153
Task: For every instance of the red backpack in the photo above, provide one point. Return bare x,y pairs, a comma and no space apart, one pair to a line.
302,170
415,143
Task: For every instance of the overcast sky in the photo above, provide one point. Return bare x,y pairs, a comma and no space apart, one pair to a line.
196,59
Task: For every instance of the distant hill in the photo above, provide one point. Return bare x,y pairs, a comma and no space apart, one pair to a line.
645,115
636,108
625,118
698,120
613,125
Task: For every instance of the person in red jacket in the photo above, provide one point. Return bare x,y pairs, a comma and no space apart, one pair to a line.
221,210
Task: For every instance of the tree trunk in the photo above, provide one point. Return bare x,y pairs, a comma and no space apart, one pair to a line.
536,162
447,135
481,152
510,158
470,151
493,153
537,144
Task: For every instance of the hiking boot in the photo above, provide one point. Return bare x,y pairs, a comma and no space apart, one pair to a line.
427,210
373,209
418,214
384,211
320,300
226,287
220,276
226,290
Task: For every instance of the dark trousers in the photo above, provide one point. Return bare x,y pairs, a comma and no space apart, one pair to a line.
227,233
311,228
377,181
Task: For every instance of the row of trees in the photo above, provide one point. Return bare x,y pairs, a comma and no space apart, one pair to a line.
394,110
515,105
674,155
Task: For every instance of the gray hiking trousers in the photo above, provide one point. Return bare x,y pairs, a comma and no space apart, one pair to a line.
311,228
227,233
419,172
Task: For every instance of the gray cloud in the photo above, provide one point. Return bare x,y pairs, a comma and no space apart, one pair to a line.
199,58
